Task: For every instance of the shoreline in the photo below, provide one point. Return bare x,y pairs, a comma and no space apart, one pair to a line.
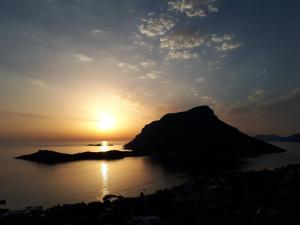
256,195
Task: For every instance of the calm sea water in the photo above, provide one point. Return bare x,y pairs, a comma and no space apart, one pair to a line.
25,183
271,161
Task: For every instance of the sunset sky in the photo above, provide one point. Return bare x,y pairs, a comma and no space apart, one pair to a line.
67,64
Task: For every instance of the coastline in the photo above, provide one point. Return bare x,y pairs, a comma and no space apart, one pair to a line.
259,196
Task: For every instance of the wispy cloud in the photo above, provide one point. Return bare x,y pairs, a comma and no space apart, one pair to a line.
257,95
180,45
128,66
192,8
147,64
136,102
156,26
181,40
200,79
143,43
83,58
151,75
7,113
228,46
225,42
42,84
291,97
98,32
187,44
22,114
181,55
261,72
268,113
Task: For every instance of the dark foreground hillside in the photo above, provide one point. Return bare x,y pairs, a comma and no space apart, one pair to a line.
265,197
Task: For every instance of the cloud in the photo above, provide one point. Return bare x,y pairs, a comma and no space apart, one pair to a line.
142,43
7,113
200,79
152,75
224,43
128,66
290,99
135,100
228,46
277,115
147,64
42,84
180,55
145,45
220,39
257,95
22,114
98,32
180,40
214,65
183,45
208,100
83,58
180,45
156,26
192,8
261,72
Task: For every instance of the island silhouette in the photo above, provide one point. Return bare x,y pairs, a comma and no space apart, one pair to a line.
193,135
178,132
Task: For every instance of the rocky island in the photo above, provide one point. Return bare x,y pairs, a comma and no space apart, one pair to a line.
100,145
178,132
52,157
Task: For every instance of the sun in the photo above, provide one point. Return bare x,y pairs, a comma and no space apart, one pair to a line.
106,122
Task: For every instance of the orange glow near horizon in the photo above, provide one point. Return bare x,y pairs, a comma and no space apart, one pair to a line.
90,117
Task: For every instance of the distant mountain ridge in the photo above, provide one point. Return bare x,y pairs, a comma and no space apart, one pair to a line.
272,137
196,132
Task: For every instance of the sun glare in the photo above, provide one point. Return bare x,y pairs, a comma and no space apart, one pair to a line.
104,146
107,121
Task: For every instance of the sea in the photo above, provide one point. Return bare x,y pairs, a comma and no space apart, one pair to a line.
24,183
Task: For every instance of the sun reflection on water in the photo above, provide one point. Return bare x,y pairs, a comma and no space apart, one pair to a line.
104,176
104,146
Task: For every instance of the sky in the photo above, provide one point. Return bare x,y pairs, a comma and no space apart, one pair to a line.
64,63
